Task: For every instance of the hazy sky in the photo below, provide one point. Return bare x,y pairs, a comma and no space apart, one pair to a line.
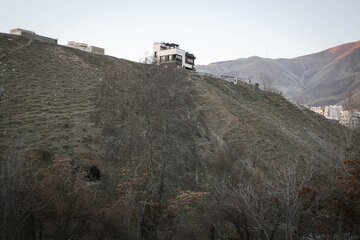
212,30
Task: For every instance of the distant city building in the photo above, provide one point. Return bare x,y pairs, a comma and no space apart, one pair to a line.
86,48
331,112
350,119
334,112
318,110
32,35
326,111
170,54
321,110
344,117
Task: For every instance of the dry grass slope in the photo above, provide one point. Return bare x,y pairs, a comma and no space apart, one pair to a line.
264,125
52,99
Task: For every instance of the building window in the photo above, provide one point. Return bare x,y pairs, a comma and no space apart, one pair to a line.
190,60
179,57
173,57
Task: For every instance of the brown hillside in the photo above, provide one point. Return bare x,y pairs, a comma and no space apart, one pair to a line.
345,49
69,102
95,147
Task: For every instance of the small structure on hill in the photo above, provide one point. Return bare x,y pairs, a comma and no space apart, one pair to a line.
32,35
171,55
86,48
235,80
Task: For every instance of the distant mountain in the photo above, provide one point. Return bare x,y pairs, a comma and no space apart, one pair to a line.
322,78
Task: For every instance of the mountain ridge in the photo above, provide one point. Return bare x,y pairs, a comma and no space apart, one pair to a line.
307,79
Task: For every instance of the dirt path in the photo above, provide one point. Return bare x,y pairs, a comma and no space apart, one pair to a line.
214,100
230,119
2,55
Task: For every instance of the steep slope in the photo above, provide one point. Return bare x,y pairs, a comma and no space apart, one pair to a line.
47,96
335,81
95,147
70,102
323,78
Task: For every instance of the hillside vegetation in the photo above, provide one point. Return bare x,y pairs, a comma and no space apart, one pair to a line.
95,147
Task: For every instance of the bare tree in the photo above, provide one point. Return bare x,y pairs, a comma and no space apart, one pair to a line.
21,204
12,186
147,59
288,182
347,132
267,81
273,201
146,129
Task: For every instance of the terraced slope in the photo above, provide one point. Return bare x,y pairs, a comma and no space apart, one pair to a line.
47,96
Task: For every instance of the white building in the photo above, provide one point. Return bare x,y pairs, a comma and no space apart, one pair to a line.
86,48
334,112
170,54
318,110
32,35
350,119
321,110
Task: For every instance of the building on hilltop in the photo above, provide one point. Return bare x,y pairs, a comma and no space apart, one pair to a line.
86,48
77,45
96,50
171,55
32,35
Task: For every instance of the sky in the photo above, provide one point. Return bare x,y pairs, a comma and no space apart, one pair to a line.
212,30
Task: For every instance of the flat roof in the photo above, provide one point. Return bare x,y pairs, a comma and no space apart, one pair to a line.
168,44
190,55
22,30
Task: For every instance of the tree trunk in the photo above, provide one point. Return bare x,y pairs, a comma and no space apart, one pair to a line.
212,232
340,221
